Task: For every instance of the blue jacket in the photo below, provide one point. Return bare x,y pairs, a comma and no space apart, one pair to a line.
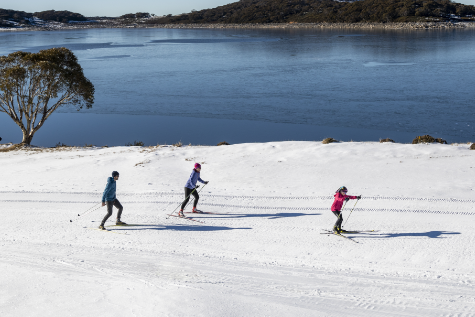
109,192
194,177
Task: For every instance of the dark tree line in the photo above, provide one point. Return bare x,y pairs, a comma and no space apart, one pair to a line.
50,15
278,11
138,15
59,16
17,16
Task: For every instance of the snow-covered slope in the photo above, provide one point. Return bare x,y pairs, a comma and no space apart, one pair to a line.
260,252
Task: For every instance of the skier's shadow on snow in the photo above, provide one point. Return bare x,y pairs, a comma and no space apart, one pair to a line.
179,228
429,234
269,216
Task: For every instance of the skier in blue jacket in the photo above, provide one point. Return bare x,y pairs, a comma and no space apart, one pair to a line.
109,198
190,189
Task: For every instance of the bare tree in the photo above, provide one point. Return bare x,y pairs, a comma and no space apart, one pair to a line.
34,85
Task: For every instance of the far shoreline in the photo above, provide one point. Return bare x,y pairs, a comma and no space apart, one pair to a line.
323,25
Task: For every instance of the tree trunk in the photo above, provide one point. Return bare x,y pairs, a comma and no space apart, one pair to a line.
26,139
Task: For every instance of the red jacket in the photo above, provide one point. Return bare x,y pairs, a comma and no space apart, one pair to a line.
339,199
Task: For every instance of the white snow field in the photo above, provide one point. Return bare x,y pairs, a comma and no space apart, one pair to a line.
260,252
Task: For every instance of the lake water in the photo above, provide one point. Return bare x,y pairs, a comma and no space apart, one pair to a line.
205,86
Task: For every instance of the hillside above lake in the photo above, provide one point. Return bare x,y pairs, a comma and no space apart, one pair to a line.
312,11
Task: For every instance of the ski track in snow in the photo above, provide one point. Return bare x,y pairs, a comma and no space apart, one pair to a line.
246,197
255,255
307,289
302,287
252,202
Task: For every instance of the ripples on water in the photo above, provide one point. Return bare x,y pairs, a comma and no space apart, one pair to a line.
399,82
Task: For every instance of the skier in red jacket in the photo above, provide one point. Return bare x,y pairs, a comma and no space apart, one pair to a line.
340,196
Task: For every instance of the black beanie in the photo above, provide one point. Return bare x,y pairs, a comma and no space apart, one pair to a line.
115,173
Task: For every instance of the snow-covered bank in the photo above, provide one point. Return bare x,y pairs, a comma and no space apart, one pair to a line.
261,253
110,24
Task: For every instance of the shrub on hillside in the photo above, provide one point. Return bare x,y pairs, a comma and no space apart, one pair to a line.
128,16
329,140
472,147
428,139
136,143
61,144
223,143
142,15
386,140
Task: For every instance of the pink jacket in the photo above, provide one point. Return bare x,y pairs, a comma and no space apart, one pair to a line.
339,199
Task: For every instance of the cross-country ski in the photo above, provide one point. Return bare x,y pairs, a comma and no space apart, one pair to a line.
204,213
350,231
108,230
339,234
131,225
185,218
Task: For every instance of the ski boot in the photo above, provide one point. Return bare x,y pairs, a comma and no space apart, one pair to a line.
343,231
181,214
196,211
336,230
120,223
102,227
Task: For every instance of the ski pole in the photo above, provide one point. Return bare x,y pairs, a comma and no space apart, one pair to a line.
182,202
341,211
194,196
351,212
87,211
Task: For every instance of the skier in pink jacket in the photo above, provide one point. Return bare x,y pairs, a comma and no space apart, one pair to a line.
340,197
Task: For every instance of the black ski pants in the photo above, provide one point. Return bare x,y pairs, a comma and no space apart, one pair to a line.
115,203
189,191
339,220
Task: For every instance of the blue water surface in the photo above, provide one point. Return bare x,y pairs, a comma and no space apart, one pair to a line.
203,86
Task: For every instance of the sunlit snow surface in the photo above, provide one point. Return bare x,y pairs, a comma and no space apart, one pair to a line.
261,252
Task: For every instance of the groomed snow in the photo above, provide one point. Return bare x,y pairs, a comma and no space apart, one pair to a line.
262,253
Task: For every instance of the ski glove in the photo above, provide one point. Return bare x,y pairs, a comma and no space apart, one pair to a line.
197,186
346,199
358,197
206,182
